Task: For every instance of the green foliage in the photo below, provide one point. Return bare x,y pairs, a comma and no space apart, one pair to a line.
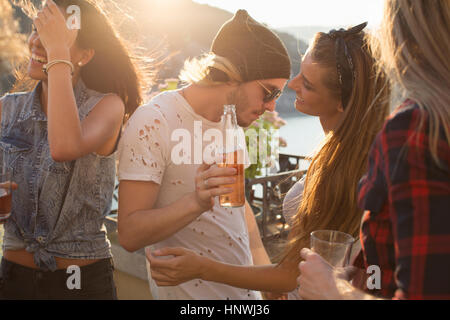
264,127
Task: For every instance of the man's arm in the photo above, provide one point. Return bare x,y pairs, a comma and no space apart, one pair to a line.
259,253
140,225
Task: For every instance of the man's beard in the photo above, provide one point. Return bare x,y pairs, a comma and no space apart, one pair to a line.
240,100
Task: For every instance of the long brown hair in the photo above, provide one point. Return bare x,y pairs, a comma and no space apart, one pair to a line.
329,199
113,69
414,50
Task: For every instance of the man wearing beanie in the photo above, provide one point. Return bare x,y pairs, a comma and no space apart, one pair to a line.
159,199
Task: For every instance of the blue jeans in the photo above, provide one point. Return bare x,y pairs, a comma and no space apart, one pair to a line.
21,283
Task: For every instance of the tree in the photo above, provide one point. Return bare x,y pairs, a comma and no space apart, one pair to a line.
12,43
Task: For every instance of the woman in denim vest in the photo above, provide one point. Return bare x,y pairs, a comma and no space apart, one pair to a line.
59,141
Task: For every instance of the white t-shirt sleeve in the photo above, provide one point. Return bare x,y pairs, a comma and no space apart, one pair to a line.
143,147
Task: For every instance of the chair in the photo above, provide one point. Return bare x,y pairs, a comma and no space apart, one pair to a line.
274,187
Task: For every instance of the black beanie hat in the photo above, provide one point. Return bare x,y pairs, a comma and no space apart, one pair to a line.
252,48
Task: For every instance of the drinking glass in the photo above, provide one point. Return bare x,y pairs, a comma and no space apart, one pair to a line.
334,246
5,196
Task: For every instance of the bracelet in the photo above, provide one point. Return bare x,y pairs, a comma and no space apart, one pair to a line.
47,66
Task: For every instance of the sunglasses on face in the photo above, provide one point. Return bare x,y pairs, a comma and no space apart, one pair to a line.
270,95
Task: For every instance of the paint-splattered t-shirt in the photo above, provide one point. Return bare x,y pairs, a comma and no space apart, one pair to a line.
162,143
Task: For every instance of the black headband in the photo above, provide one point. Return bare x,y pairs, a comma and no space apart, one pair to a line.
347,75
334,34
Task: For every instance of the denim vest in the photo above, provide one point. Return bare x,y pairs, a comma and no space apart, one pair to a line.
59,208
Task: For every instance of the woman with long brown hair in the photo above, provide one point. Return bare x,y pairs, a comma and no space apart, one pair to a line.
338,83
59,141
406,193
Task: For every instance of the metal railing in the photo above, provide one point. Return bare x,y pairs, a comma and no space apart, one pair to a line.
268,206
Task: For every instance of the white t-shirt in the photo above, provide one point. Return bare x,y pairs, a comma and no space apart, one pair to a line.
290,206
145,154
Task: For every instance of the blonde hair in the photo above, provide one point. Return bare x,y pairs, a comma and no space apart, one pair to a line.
198,70
329,199
414,50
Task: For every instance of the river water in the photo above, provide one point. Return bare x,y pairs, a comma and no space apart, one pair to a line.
303,135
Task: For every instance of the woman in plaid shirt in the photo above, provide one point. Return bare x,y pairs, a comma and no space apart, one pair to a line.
406,192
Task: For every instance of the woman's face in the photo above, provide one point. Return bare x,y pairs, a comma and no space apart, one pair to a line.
313,98
39,56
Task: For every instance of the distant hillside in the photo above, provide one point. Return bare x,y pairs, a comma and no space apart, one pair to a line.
306,33
189,31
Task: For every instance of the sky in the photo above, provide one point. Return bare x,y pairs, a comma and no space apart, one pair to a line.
288,13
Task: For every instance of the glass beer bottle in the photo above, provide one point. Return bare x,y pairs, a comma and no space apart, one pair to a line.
232,156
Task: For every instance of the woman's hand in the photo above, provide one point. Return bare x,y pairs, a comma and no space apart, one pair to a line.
208,184
274,296
52,29
183,265
318,280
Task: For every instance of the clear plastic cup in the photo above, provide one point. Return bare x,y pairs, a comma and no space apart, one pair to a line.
334,246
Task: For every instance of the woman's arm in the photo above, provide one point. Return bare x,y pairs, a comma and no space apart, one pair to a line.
187,265
259,253
69,138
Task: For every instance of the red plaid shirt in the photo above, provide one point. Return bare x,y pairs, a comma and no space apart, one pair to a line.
406,228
